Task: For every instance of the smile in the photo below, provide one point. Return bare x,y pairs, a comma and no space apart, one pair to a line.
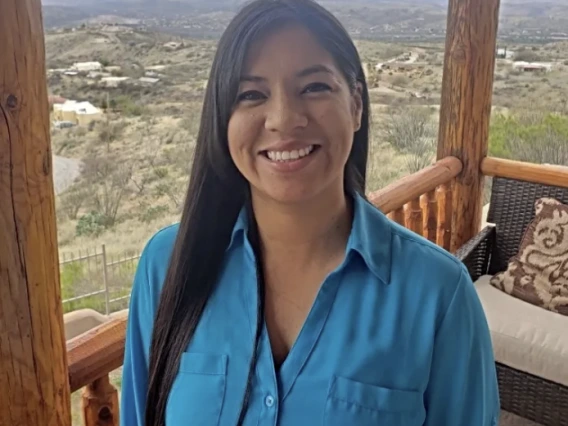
289,156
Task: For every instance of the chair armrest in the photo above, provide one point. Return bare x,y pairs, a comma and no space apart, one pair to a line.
476,253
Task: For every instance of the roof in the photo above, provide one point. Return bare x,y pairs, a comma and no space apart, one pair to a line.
56,100
77,107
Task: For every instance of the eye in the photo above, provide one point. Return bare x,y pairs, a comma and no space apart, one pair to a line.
316,87
251,96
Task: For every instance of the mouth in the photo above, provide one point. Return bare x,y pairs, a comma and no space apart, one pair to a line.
290,156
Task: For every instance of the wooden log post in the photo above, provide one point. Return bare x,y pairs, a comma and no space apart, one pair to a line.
430,215
444,233
100,403
34,389
465,113
398,216
414,220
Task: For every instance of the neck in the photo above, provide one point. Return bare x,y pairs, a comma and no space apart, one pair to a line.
304,232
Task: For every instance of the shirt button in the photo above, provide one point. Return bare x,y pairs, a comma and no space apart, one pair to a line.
269,401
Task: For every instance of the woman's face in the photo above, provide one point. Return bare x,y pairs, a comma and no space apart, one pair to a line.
291,131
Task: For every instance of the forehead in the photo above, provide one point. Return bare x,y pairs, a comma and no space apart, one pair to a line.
288,49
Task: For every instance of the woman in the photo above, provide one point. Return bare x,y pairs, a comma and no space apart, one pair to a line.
283,296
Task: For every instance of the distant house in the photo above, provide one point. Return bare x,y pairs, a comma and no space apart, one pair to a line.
113,81
156,67
113,68
80,113
97,74
173,45
536,67
87,66
148,80
56,100
504,53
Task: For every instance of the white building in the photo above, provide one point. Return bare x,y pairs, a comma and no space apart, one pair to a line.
113,81
87,66
533,66
81,113
148,80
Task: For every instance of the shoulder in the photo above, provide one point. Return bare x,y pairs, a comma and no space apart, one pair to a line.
154,262
433,275
409,248
393,247
162,242
416,267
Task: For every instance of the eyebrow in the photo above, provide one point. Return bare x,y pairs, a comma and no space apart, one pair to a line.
304,73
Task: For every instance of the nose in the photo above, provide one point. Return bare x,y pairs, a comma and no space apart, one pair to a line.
285,113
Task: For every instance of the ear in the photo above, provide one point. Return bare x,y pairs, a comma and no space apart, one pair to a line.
357,106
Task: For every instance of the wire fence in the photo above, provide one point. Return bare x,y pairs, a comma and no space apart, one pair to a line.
96,280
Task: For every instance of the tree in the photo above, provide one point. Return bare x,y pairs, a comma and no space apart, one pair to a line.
110,132
413,133
72,201
108,179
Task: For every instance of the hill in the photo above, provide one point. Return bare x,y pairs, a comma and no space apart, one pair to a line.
408,20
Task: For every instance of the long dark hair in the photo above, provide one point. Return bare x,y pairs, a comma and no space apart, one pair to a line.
217,191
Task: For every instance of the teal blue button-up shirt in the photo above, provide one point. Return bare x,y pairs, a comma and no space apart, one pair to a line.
395,337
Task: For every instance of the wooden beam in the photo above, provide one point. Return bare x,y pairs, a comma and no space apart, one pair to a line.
527,172
405,190
96,353
33,369
465,113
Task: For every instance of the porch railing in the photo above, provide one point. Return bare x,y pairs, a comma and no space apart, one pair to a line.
422,202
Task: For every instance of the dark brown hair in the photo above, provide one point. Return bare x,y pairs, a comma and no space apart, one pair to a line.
217,191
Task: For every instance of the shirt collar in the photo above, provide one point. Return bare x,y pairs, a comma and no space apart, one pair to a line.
240,229
370,236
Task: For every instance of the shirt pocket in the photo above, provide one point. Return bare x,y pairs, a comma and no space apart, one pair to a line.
198,390
354,403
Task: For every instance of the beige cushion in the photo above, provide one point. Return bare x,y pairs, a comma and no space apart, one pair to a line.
538,274
526,337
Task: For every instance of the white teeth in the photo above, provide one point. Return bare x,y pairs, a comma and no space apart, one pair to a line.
289,155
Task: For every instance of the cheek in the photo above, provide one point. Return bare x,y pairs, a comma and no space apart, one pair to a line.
243,131
237,135
337,122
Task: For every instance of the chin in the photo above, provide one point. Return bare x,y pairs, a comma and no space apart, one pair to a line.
289,195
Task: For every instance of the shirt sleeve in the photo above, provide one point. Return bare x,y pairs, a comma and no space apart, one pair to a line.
463,387
136,355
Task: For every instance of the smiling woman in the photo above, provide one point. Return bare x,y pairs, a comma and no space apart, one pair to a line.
291,130
283,296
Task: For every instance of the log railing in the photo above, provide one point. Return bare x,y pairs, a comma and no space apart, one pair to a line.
423,201
92,356
527,172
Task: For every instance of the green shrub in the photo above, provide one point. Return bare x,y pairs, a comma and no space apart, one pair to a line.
153,213
531,136
92,224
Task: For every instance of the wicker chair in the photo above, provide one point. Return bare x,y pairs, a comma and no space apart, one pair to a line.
529,395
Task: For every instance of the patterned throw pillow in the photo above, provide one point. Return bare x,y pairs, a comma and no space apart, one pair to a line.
538,274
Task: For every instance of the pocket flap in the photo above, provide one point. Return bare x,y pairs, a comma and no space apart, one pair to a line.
202,363
374,397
